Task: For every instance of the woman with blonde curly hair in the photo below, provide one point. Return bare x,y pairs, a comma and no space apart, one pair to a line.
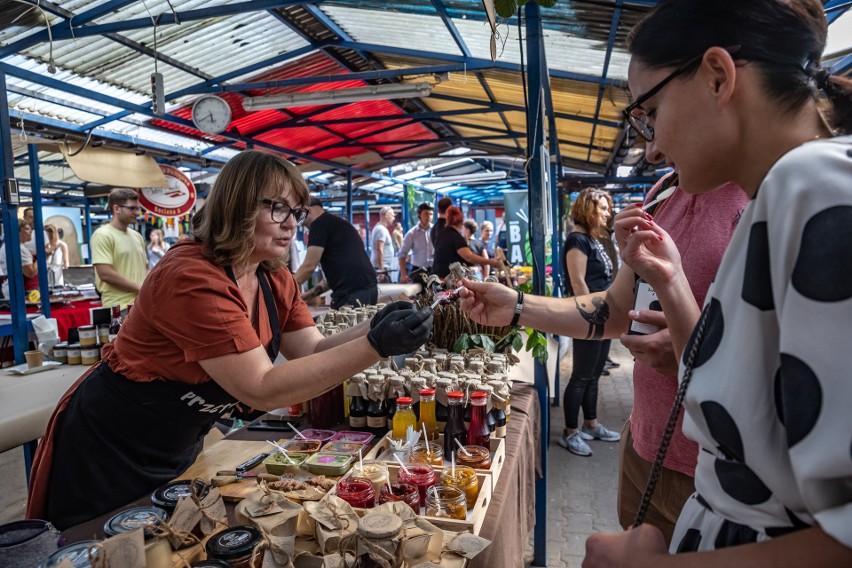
588,268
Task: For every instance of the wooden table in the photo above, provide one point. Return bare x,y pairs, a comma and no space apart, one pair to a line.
511,514
27,401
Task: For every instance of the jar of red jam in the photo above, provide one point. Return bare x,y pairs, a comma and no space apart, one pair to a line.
357,491
477,457
406,492
421,474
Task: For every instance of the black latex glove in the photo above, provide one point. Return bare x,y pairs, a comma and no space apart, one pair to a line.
401,332
388,309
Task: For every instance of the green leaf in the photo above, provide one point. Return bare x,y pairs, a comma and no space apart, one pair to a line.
487,343
462,343
546,3
517,342
505,8
476,339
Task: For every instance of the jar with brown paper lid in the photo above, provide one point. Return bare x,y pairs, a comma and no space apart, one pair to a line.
380,535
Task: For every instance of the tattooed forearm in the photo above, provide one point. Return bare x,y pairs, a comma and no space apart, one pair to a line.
597,317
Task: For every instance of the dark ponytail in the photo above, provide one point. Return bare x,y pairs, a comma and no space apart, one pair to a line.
784,39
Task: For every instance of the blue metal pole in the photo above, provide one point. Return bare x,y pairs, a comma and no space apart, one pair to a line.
14,269
367,224
38,230
87,213
406,213
537,211
349,196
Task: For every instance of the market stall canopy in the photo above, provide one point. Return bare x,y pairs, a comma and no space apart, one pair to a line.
113,168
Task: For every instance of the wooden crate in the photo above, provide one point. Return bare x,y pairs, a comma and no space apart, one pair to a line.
475,515
380,451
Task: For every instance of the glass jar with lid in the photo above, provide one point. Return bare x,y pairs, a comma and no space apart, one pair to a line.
235,546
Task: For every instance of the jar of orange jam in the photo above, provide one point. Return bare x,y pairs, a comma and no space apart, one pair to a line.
447,502
465,479
434,456
477,457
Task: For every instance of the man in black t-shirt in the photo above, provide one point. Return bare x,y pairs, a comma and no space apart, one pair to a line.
435,232
336,245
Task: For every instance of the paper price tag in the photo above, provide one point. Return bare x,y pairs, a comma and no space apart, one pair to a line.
126,549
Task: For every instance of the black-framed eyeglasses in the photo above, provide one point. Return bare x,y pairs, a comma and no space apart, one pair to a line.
639,121
134,208
280,212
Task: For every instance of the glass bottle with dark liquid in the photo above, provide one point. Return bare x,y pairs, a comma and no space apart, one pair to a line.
454,431
357,404
478,435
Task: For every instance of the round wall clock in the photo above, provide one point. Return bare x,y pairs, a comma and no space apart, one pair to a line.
211,114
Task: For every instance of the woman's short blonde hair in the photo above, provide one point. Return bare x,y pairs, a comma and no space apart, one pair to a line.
226,221
584,211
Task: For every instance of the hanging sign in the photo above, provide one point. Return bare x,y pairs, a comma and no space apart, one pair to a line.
174,200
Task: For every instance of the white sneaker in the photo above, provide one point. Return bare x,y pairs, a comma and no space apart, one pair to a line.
599,433
574,443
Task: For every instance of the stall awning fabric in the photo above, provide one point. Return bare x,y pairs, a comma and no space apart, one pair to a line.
112,167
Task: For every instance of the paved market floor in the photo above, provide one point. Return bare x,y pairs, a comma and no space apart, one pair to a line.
581,491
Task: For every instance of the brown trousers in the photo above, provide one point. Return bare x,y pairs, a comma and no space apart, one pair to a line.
673,489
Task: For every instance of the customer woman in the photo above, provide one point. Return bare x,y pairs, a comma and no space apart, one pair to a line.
732,90
202,336
29,265
157,247
453,247
588,268
57,258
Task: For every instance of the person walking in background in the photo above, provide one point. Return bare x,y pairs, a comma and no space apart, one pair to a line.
381,244
453,247
486,231
588,268
397,235
417,244
57,258
469,228
157,247
334,243
118,251
28,260
438,228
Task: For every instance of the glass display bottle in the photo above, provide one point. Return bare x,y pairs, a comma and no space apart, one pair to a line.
427,413
403,418
377,412
454,430
394,391
478,434
357,404
441,388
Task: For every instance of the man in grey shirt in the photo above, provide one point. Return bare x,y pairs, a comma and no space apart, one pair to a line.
417,244
382,243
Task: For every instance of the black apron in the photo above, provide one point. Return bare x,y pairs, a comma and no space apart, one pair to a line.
118,439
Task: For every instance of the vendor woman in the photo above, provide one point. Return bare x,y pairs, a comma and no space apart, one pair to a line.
203,333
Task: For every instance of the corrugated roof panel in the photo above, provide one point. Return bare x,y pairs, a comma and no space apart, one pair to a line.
199,44
394,29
